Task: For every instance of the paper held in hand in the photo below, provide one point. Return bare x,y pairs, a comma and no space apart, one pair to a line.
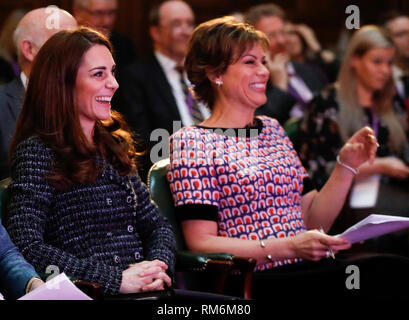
373,226
58,288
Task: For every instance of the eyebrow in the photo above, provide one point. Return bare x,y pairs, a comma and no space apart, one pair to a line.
251,55
102,68
98,68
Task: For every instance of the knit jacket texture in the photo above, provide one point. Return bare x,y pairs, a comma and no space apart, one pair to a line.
92,231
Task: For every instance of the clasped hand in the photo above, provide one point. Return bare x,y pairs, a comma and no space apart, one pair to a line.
145,276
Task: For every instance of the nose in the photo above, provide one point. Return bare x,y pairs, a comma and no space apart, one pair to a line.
282,38
263,71
112,83
108,21
386,69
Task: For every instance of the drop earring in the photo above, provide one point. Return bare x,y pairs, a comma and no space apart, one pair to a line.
219,82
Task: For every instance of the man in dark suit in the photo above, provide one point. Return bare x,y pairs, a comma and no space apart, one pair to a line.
31,33
292,85
397,25
153,93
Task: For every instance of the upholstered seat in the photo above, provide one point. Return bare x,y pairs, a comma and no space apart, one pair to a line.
221,273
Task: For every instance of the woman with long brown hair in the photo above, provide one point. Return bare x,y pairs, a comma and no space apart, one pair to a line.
76,201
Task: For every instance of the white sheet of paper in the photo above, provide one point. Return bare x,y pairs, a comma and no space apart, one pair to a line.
373,226
58,288
365,193
1,297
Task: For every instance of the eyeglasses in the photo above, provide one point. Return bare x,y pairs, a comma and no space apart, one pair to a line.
101,13
178,26
277,34
401,34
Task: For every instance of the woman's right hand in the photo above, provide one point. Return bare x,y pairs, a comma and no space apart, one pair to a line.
313,245
145,276
393,167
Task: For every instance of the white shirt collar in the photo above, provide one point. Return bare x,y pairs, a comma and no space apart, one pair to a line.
167,63
24,80
397,72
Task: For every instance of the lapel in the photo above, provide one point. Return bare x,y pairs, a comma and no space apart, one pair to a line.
307,76
14,97
161,84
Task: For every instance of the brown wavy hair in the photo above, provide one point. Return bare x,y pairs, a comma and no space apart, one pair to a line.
49,111
214,46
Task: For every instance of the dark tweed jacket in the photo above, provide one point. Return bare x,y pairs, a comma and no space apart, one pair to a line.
92,232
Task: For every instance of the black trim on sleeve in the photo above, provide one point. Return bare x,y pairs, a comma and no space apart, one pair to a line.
308,185
197,212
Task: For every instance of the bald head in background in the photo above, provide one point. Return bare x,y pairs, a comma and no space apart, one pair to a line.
34,30
31,33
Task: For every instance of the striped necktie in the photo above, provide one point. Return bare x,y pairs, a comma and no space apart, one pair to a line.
194,109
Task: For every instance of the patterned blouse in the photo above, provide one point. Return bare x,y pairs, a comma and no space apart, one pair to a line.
251,185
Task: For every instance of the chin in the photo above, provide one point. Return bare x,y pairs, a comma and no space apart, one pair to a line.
104,116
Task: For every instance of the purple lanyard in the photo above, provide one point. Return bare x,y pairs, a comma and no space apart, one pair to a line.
375,122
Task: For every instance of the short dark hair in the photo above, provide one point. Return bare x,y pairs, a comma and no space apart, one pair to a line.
390,15
215,45
255,13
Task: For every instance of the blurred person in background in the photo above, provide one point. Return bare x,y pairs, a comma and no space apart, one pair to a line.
155,90
362,95
303,46
9,67
31,33
292,84
397,25
102,15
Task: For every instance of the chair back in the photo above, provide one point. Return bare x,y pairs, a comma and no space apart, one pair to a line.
291,127
160,193
3,198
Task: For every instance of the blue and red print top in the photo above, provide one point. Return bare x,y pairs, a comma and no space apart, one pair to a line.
250,184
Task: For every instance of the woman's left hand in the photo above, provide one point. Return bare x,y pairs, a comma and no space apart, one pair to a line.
361,147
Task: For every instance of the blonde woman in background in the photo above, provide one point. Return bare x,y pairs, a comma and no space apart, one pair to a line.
363,95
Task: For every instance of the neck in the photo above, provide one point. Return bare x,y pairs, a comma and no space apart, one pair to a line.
178,59
298,58
365,95
229,116
88,130
26,69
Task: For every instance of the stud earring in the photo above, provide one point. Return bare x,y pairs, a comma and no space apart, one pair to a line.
219,82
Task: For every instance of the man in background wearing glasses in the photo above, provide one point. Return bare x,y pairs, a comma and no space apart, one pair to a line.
101,15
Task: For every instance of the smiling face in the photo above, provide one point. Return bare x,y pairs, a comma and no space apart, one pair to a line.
373,69
244,81
176,24
95,85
